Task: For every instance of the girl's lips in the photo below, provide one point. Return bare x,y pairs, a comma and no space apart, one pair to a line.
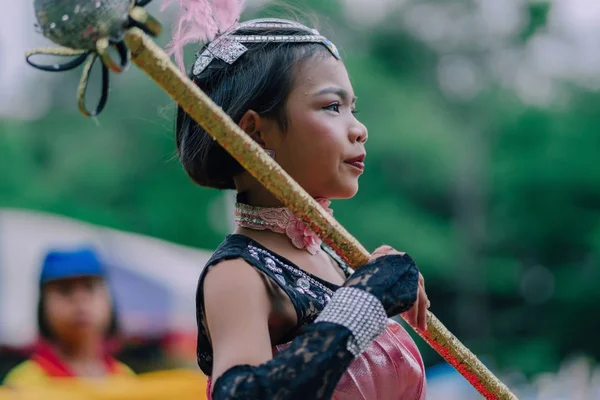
357,162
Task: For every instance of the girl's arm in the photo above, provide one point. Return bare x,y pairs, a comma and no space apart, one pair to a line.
238,309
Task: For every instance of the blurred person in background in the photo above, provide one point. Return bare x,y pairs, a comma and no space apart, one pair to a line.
77,321
279,314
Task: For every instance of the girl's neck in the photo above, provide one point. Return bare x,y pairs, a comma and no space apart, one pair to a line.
85,358
252,192
258,199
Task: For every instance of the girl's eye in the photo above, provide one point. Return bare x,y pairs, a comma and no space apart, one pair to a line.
335,107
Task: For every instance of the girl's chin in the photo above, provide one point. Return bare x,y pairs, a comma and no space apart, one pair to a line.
344,192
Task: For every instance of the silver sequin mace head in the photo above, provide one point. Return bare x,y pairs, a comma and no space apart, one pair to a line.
79,24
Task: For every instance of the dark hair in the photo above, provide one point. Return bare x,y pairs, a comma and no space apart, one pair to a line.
260,80
44,327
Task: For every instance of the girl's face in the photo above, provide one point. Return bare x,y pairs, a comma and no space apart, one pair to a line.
323,147
77,308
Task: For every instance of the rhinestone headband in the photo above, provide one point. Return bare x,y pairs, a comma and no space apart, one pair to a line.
229,47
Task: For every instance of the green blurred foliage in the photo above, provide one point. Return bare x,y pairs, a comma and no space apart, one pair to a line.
540,181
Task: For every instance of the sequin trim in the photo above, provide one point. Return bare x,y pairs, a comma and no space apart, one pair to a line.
295,271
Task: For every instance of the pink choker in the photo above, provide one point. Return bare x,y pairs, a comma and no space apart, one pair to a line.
280,220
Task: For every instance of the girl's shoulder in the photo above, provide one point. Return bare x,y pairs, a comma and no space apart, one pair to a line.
233,246
26,374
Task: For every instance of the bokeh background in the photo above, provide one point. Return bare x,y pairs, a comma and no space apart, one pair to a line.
484,121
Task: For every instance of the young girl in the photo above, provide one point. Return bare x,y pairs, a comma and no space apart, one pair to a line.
280,316
76,318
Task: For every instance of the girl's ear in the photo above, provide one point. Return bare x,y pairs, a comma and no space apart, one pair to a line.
262,130
251,123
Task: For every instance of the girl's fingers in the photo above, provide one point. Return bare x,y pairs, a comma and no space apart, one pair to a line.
422,312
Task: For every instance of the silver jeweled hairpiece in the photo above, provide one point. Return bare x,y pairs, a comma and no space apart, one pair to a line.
229,47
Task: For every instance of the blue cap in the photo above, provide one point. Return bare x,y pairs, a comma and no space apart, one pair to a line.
70,264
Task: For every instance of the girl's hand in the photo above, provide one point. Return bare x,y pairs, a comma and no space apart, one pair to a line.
392,277
417,315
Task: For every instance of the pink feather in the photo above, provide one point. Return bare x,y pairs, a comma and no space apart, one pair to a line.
200,21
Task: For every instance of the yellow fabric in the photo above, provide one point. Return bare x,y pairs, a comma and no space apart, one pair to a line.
29,374
26,374
178,384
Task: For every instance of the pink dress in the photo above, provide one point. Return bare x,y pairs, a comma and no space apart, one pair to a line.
390,369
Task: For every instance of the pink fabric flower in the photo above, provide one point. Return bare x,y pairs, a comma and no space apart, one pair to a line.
302,236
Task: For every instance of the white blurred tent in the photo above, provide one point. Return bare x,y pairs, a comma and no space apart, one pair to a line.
154,282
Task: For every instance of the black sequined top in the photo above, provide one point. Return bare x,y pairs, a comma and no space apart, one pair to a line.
309,294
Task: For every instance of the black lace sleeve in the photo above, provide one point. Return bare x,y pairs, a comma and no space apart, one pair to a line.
309,369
